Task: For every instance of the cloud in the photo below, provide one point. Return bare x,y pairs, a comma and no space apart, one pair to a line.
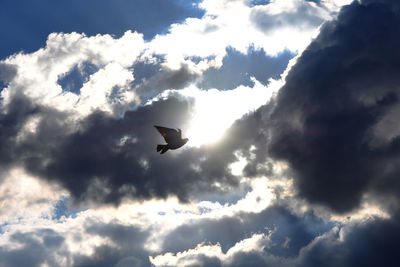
89,239
82,184
286,232
117,236
152,78
102,158
42,128
126,248
212,255
36,248
231,24
286,14
357,244
7,72
331,121
24,197
65,52
89,169
360,244
107,169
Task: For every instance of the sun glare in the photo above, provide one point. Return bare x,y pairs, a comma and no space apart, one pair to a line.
215,111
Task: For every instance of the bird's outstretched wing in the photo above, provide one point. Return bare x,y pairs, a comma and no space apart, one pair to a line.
170,135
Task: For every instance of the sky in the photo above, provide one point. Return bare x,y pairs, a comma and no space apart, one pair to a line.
291,109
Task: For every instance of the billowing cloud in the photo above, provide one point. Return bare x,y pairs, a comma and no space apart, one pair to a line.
36,248
287,232
39,73
286,14
103,158
231,24
358,244
292,155
332,119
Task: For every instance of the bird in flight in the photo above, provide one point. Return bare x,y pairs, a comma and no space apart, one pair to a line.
172,137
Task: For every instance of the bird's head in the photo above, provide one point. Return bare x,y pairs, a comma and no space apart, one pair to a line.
185,140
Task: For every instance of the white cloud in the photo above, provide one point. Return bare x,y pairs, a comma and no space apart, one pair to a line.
334,6
96,93
229,23
256,243
39,72
24,197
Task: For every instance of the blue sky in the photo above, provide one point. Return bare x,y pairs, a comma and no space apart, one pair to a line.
290,108
27,24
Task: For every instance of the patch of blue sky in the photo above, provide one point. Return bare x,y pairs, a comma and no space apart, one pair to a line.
73,80
238,68
61,209
2,227
225,199
197,59
314,1
145,70
26,24
259,2
2,85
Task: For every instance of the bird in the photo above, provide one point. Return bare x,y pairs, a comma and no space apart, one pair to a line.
172,137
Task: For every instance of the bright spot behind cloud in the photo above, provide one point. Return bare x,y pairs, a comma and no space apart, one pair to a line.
215,111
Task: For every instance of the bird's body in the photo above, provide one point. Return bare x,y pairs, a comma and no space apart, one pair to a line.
172,137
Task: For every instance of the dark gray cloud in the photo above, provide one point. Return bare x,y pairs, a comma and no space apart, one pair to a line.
104,159
312,242
153,79
127,249
238,68
37,247
46,246
331,122
371,243
11,122
395,5
95,163
295,231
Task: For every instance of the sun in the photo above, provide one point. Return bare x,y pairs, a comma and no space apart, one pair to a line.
208,124
215,111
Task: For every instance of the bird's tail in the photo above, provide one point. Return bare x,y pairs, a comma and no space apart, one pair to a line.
162,148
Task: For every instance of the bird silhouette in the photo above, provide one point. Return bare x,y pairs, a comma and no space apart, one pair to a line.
172,137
